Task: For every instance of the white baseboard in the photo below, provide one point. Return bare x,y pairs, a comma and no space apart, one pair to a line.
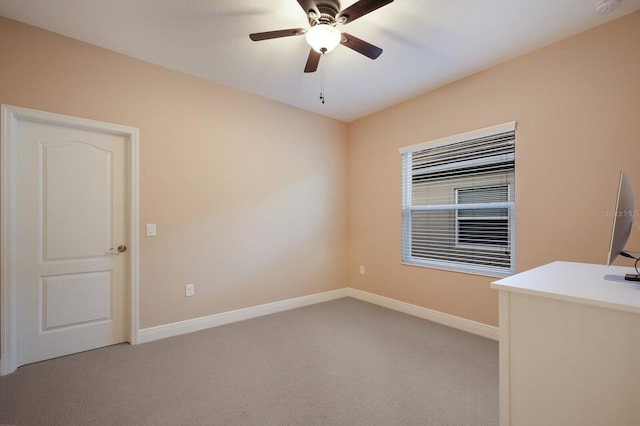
463,324
196,324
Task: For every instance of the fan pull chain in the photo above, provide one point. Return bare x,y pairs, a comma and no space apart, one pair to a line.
322,82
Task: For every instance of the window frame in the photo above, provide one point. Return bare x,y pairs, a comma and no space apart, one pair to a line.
408,209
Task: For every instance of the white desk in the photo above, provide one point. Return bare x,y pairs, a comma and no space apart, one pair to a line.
569,346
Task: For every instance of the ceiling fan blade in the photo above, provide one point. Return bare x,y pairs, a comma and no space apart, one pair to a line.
312,61
361,8
360,46
308,6
276,34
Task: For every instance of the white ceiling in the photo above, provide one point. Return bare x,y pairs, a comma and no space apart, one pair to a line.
427,43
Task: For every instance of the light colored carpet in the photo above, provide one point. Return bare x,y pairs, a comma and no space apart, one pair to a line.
343,362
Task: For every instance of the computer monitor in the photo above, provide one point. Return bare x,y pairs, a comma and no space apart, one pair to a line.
622,219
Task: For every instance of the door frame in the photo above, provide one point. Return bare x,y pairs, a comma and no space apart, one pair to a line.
10,116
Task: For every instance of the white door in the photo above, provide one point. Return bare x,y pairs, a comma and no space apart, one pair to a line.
71,225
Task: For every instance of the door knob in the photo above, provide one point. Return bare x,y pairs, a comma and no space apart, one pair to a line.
121,248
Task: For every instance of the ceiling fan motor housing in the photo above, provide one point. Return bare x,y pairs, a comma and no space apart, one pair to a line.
328,11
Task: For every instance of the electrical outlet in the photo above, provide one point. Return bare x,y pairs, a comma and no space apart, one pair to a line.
189,290
361,269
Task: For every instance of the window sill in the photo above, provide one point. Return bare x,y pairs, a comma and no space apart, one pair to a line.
486,272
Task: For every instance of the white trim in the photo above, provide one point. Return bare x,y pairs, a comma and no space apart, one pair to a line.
8,285
134,234
474,134
196,324
8,241
453,321
448,266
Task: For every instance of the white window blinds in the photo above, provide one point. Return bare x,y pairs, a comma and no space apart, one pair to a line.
458,197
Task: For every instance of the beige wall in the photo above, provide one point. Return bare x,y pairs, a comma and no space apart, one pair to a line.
257,202
577,107
249,195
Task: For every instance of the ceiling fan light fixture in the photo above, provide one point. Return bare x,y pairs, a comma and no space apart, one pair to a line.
323,38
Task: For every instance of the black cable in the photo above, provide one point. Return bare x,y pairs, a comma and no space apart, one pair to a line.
625,254
635,265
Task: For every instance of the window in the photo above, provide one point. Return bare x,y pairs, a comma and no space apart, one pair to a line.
484,228
458,202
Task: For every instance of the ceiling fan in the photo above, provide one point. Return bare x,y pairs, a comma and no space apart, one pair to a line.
323,36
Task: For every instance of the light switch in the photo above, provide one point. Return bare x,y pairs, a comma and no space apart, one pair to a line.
151,229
